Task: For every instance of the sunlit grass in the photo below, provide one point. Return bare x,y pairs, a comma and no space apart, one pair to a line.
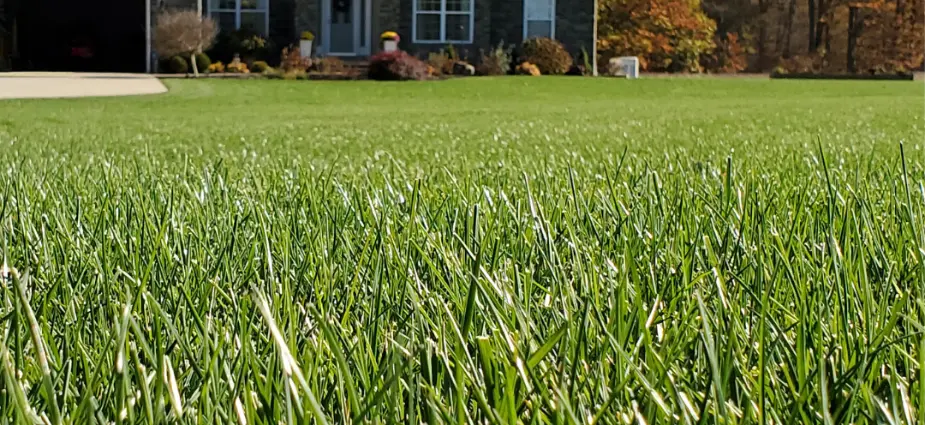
470,251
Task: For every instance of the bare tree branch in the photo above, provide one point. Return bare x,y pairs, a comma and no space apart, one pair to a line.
184,32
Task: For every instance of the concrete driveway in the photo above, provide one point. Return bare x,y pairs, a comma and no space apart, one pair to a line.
38,85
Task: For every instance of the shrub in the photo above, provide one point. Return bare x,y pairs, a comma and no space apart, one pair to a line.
217,68
291,60
801,64
586,60
176,65
582,65
729,56
329,65
260,67
394,66
440,62
497,61
183,33
528,68
548,55
244,42
202,61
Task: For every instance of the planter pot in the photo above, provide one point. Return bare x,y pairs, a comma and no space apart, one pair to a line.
389,45
305,48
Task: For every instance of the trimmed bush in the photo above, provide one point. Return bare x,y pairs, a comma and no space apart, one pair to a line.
397,66
259,67
202,62
176,65
246,43
548,55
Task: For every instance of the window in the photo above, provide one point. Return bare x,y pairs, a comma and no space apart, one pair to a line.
539,18
231,15
443,21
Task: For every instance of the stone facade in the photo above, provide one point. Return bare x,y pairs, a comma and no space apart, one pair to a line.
307,18
576,25
282,24
386,17
508,22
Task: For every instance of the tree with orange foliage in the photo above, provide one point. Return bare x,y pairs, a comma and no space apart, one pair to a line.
886,36
729,56
666,35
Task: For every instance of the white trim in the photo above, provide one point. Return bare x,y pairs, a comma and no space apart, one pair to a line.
358,30
552,19
443,13
238,11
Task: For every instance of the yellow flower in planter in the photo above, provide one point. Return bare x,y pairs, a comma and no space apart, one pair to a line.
390,36
307,35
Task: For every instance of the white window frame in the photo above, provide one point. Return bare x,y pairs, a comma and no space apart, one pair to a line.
238,11
552,23
443,13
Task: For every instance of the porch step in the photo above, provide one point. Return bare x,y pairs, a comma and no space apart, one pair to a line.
359,64
353,68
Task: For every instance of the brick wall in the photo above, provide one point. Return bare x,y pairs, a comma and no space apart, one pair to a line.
307,18
283,23
575,25
387,17
507,23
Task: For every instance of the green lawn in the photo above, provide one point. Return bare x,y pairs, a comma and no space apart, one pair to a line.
535,250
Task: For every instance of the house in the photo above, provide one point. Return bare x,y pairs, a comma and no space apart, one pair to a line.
111,35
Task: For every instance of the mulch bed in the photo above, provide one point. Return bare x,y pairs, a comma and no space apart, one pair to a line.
340,76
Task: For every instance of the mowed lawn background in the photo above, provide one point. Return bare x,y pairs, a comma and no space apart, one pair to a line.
535,250
465,123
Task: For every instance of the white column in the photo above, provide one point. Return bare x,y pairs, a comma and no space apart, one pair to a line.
148,36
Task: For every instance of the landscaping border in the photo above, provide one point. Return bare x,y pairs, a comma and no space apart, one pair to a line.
255,76
862,77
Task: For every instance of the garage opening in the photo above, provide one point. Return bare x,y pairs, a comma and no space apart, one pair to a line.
82,36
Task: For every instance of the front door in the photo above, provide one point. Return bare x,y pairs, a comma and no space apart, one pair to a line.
346,27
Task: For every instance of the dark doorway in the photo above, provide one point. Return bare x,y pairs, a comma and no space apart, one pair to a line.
85,35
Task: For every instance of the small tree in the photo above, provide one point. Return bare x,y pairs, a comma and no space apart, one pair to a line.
666,35
184,32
